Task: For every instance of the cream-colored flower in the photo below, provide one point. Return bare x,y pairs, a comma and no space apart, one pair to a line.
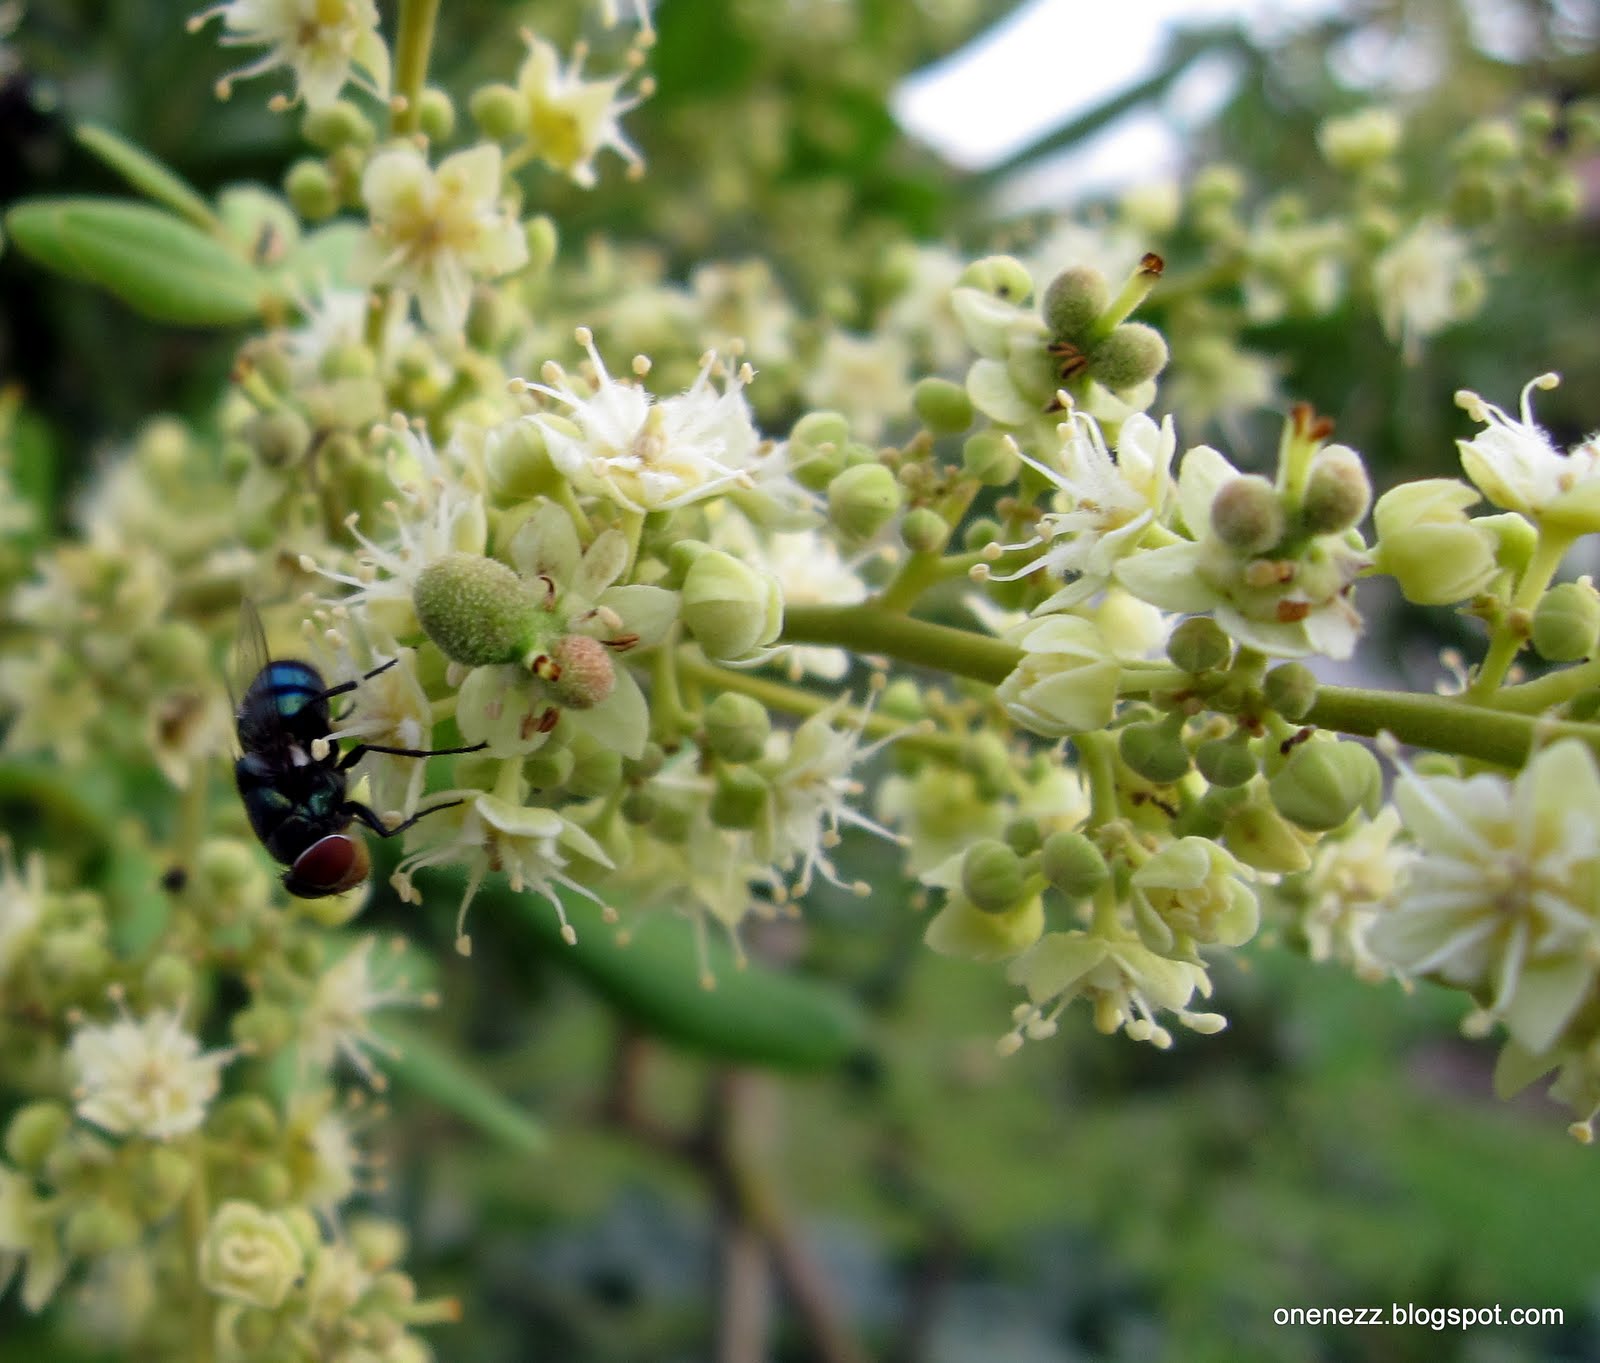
1516,466
335,1019
322,42
1192,893
867,378
250,1255
436,230
1351,882
1423,282
567,120
143,1077
1067,680
22,894
29,1240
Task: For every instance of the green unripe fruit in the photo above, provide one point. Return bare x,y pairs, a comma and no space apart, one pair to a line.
992,876
1074,300
1132,354
544,241
739,798
863,499
639,804
991,458
549,768
1073,864
279,437
737,727
1290,690
436,115
1225,761
34,1132
340,124
475,609
1154,751
595,771
1003,276
1338,492
980,533
1323,784
728,607
98,1229
497,110
1566,622
311,191
943,407
1199,644
1246,515
924,531
648,763
1024,836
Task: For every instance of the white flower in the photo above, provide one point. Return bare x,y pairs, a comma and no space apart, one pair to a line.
648,453
22,895
1066,682
1423,282
1106,503
1351,881
864,377
28,1236
1503,898
567,120
435,231
330,321
320,41
1516,466
334,1022
143,1077
390,710
922,312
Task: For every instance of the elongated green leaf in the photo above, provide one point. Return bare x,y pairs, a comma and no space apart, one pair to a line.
438,1074
159,265
322,259
147,175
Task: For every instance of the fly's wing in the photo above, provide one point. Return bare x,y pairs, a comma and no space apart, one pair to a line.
250,657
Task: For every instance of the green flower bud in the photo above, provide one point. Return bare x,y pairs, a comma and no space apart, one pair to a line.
991,458
863,499
1290,690
739,798
1073,864
254,1331
673,821
1247,515
1002,276
1217,186
340,124
1024,836
549,768
34,1131
903,701
1556,197
279,438
992,876
924,531
1074,300
596,771
1358,141
158,1179
587,675
1337,492
436,114
1583,124
1263,839
1476,198
99,1228
249,1118
497,110
729,607
648,763
265,1027
518,464
544,241
1430,547
379,1244
1324,783
1199,644
943,407
1132,354
1226,761
1154,751
985,755
737,727
475,609
639,804
980,533
250,1256
168,981
816,448
1566,622
311,191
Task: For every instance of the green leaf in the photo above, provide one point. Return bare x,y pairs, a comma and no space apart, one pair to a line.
157,264
437,1073
322,258
147,175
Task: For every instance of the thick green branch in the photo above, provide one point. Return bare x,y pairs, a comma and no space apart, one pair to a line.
868,629
413,46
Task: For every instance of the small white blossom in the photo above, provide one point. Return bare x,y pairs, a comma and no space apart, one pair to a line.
1423,282
867,378
319,41
1517,467
29,1240
334,1020
567,120
22,895
144,1077
435,231
1351,882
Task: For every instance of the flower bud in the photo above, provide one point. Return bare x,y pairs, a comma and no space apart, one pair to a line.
863,499
596,771
737,727
1073,864
1337,492
1074,299
992,876
924,530
1199,644
729,607
1263,839
168,981
1024,836
963,929
1132,354
249,1118
160,1176
475,609
587,674
436,114
517,461
264,1027
1360,140
1566,622
1476,198
549,768
1429,546
1001,276
1155,751
99,1228
991,458
34,1131
1226,761
1324,783
250,1256
816,448
640,804
1246,515
279,438
944,407
497,110
544,241
1290,690
337,125
739,798
1067,680
311,191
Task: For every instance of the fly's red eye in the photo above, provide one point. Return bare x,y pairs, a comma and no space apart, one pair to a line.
331,865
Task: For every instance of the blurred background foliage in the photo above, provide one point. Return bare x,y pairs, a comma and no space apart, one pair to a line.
1087,1199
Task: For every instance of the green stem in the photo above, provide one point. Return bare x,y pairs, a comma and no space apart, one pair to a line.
1511,630
413,44
1543,694
871,629
1098,756
632,529
196,1221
